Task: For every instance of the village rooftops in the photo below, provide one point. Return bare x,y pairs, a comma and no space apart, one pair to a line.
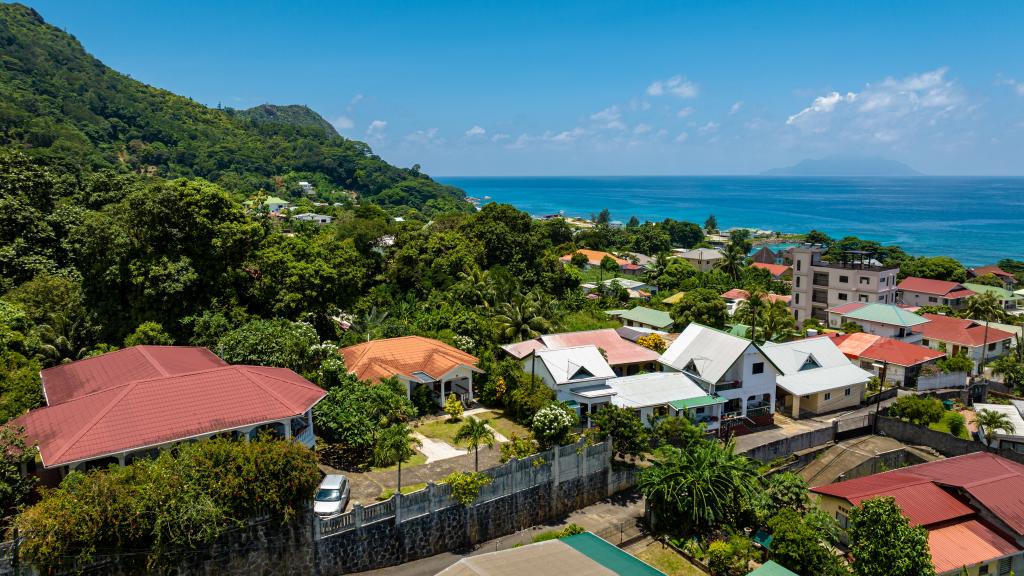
941,288
741,294
775,270
659,388
882,349
813,365
405,356
711,352
595,257
960,331
618,350
889,314
647,316
576,364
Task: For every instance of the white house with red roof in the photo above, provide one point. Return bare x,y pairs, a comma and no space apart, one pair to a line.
915,291
970,505
132,403
901,361
956,335
626,358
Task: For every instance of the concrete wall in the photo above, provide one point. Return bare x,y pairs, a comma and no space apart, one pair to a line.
786,446
936,381
523,493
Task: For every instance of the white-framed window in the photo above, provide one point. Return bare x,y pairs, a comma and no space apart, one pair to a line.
846,392
828,396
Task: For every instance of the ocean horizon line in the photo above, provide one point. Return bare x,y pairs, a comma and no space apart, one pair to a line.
772,176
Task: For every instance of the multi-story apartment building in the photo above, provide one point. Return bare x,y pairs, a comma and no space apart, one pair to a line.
819,284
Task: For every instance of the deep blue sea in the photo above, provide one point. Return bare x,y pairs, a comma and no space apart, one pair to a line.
976,220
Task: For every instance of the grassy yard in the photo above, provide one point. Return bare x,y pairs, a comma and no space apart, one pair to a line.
389,492
443,430
503,425
668,561
417,459
943,426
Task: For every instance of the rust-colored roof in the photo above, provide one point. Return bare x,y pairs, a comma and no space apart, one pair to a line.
378,359
922,501
846,308
773,269
741,294
154,411
594,257
929,286
892,351
619,350
966,543
996,270
959,331
68,381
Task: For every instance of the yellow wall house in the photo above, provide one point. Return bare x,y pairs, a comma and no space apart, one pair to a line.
816,377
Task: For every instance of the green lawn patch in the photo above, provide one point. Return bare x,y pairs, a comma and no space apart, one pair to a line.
943,426
417,459
668,561
389,492
497,420
443,430
588,320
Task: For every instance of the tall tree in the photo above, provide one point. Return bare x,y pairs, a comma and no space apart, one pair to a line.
985,308
702,306
992,422
883,543
394,446
711,224
475,432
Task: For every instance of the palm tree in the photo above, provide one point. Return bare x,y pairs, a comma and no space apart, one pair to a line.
373,320
522,319
983,307
477,287
751,309
701,487
990,421
779,324
394,446
474,433
661,261
732,261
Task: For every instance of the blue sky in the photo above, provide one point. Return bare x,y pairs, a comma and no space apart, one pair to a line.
591,87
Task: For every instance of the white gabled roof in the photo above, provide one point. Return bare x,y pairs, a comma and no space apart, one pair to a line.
653,389
712,351
576,364
812,366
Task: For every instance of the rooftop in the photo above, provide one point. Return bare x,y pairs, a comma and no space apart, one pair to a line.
960,331
773,269
649,316
885,314
619,350
594,257
576,364
882,349
701,254
966,543
770,568
813,365
711,352
1000,293
656,388
378,359
929,286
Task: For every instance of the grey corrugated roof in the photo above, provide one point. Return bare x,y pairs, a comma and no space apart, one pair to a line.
713,352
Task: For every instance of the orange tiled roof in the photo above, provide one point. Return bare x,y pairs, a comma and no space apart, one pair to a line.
774,269
594,257
378,359
965,544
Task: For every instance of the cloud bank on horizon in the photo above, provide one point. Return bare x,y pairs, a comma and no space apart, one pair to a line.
576,87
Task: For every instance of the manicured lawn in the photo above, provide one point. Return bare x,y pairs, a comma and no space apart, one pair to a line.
417,459
389,492
668,561
943,426
443,430
503,425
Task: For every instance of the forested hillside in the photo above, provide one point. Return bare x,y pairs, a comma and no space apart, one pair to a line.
68,109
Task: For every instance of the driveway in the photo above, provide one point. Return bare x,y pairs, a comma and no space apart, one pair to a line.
784,428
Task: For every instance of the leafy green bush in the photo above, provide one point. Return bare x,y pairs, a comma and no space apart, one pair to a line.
551,424
570,530
182,500
958,363
918,410
956,423
423,400
453,407
465,486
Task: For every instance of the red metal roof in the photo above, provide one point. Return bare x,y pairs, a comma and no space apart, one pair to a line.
983,270
774,269
389,357
929,286
594,257
922,502
965,544
68,381
153,411
619,350
847,308
959,331
741,294
872,347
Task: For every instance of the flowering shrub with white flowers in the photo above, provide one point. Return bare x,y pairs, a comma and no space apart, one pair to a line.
552,423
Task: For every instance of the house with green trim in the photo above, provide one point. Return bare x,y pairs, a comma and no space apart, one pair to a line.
888,320
1008,300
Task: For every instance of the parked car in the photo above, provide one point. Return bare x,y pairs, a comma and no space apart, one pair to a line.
332,495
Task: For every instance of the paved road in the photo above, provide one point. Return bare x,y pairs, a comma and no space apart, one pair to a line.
616,519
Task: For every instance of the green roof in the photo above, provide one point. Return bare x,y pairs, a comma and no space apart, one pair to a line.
674,299
696,402
1000,293
608,555
649,316
770,568
741,330
274,200
885,314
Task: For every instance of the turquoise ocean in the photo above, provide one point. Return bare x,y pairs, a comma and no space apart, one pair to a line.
976,220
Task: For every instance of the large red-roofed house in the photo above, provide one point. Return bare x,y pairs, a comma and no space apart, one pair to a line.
120,406
915,291
902,360
958,335
971,506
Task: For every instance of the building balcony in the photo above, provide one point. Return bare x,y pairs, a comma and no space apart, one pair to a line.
725,386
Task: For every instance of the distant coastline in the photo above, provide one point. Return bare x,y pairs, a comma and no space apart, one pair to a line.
976,220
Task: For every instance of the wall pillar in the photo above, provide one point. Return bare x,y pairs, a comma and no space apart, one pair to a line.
796,406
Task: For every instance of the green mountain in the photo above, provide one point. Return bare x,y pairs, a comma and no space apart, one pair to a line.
63,106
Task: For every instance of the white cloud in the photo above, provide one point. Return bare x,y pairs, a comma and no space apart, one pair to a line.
520,142
565,135
682,137
423,137
684,112
736,107
355,100
676,85
886,111
1017,87
476,131
376,130
343,123
499,137
609,118
708,128
642,129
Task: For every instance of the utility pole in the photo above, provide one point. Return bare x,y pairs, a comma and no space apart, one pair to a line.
878,397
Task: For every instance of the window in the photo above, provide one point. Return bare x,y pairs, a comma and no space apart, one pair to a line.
864,280
924,342
797,281
844,279
843,296
881,298
797,296
983,570
846,392
828,396
933,299
991,346
798,263
757,368
842,520
862,298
